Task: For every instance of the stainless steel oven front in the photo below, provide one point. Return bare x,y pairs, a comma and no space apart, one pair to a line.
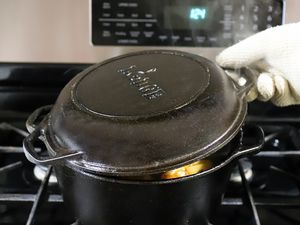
82,31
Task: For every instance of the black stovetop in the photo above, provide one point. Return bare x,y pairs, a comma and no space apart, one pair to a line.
264,189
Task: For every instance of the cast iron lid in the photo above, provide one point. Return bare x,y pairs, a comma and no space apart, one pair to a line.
145,112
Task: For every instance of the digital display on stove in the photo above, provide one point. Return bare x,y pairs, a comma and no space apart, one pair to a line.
205,23
194,17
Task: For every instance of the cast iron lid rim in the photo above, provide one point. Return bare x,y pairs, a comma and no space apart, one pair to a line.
84,108
119,180
81,164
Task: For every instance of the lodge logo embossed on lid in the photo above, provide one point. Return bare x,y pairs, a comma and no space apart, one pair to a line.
141,85
139,79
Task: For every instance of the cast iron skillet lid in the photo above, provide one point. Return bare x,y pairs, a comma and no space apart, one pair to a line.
145,113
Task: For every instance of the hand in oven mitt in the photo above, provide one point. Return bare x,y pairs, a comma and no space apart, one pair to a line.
275,54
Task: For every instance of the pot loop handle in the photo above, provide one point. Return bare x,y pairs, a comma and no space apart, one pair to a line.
37,132
253,149
245,150
244,79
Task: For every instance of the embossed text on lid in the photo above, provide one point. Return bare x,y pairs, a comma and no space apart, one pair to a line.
141,85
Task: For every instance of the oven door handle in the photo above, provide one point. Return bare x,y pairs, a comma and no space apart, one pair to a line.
34,157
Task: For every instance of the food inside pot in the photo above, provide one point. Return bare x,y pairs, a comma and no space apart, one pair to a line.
184,171
188,170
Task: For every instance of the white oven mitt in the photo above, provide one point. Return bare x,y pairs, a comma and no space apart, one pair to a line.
275,53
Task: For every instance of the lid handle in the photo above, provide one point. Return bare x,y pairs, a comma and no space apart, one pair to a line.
37,132
32,155
31,122
244,79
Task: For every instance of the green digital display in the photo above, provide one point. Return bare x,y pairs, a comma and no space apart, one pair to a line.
187,17
197,13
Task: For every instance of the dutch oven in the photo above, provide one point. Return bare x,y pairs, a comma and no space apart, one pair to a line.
139,115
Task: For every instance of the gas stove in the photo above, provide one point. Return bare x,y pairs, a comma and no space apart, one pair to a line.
264,189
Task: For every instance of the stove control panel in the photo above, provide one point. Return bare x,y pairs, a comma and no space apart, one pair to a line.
205,23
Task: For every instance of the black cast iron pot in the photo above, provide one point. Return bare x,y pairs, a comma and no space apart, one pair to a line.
140,115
